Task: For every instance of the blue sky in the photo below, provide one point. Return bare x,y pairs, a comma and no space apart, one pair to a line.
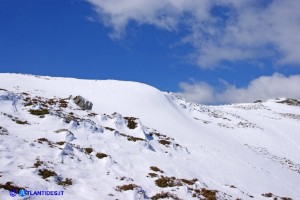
209,53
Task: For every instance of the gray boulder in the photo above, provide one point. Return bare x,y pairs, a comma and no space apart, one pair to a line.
83,103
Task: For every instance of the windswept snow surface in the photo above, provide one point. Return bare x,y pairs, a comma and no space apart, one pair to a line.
234,151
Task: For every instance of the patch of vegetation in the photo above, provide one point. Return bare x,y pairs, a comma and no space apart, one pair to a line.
164,142
164,195
60,143
69,118
267,194
92,114
38,163
134,139
189,182
156,169
126,187
88,150
39,112
10,186
110,129
196,193
28,104
21,122
35,101
51,102
41,140
45,173
15,119
167,182
66,182
131,124
63,103
152,175
101,155
209,194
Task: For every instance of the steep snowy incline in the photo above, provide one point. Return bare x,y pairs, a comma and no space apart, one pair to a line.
140,143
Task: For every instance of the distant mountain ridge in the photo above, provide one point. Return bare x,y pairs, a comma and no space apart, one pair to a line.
137,142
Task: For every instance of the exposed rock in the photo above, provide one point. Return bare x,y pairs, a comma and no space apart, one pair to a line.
3,131
83,103
258,101
291,102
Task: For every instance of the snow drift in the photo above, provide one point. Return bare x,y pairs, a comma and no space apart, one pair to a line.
140,143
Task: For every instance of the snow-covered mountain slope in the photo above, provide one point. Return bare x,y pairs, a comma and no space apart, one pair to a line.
140,143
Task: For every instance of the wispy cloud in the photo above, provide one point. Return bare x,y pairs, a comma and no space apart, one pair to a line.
264,87
226,30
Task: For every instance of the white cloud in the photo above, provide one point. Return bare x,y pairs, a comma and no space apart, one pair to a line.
200,92
163,14
250,30
264,87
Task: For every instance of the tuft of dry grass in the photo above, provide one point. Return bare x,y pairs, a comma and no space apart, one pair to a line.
29,103
156,169
39,112
152,175
20,122
88,150
189,182
51,102
60,143
126,187
209,194
167,182
45,173
66,182
164,142
134,139
101,155
109,128
267,194
131,124
38,163
63,103
11,187
164,195
92,114
41,140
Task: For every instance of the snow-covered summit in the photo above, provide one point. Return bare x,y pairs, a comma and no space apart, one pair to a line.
140,143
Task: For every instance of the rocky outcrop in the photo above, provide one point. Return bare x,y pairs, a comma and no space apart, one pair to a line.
291,102
83,103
